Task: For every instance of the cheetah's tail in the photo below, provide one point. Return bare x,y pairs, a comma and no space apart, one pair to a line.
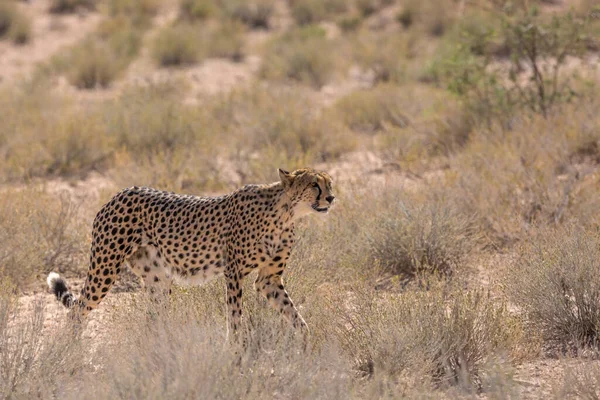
58,287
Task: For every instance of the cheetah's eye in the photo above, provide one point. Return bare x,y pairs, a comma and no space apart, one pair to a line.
315,185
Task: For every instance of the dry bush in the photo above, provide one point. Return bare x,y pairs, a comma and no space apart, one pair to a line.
374,110
195,10
227,41
176,45
433,17
437,338
531,174
35,362
384,56
161,142
70,6
14,25
102,56
304,55
254,13
20,341
412,236
307,12
139,12
93,66
49,135
270,127
580,381
555,283
410,124
40,233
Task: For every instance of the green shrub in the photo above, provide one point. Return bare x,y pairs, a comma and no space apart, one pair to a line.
178,45
304,55
537,47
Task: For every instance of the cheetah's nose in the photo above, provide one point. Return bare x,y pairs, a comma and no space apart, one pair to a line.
329,199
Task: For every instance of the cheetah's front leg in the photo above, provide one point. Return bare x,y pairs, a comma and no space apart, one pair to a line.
270,285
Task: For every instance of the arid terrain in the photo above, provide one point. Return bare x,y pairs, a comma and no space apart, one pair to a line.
461,259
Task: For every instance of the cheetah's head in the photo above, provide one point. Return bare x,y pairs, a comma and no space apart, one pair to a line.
311,190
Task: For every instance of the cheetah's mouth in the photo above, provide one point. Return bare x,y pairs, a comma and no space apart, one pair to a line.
321,209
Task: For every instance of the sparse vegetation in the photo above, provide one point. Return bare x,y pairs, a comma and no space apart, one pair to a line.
411,239
178,45
303,56
464,333
464,143
254,13
555,283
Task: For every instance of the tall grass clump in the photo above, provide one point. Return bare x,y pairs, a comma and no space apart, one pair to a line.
465,333
434,18
531,175
40,233
93,66
20,341
178,45
14,25
307,12
196,10
70,6
302,55
384,56
555,284
411,236
253,13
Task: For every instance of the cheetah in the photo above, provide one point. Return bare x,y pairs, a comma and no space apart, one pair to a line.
165,236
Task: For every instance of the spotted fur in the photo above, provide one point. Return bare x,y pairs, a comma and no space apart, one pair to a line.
167,236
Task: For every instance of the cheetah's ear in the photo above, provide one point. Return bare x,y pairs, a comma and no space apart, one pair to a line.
286,178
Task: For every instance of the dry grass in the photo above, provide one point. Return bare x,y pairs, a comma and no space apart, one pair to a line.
70,6
40,233
555,284
531,174
413,236
254,13
178,45
464,333
302,56
14,24
307,12
390,282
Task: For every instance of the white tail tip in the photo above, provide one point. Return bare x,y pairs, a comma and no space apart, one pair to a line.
52,276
